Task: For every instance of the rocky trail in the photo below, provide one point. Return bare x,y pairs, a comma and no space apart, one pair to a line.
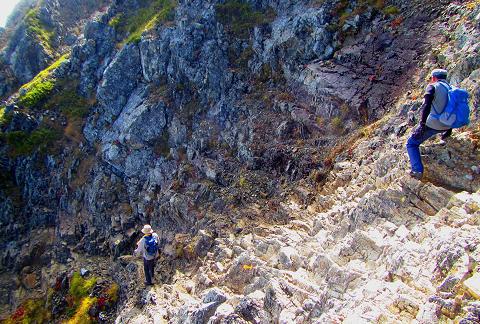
375,245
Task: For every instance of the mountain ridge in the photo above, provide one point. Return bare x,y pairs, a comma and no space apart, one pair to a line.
264,140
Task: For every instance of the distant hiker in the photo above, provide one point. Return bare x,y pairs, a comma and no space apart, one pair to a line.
148,247
362,110
445,107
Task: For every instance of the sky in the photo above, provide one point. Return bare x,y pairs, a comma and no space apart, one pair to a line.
6,7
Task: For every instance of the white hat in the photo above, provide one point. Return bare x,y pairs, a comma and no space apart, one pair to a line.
147,229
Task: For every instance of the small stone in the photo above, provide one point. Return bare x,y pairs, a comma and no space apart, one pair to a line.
102,316
189,287
473,285
214,295
469,177
219,267
84,272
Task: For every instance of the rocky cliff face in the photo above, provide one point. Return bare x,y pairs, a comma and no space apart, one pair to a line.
263,140
37,33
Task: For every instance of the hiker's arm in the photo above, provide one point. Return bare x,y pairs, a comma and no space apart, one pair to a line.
139,250
427,103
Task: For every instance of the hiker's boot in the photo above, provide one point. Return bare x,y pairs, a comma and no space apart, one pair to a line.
444,136
416,175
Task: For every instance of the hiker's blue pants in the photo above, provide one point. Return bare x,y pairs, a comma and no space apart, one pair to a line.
413,146
149,267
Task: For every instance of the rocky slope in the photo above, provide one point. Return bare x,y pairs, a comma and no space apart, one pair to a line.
265,143
37,33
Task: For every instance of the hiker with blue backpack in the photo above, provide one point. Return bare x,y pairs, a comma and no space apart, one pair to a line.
444,108
148,247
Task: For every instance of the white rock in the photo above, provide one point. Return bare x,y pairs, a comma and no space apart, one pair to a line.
473,285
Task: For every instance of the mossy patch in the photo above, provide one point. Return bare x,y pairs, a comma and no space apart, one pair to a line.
37,91
44,34
80,287
70,103
239,18
150,15
22,143
2,116
391,10
116,21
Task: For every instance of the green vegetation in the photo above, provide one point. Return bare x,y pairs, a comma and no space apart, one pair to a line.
112,293
2,116
337,123
79,301
22,143
344,10
80,287
72,105
37,91
116,21
152,13
239,18
31,311
81,314
43,34
391,11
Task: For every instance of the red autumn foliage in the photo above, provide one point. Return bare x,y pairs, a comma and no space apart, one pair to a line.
101,303
19,314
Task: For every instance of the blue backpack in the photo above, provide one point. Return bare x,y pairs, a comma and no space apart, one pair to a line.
151,245
457,112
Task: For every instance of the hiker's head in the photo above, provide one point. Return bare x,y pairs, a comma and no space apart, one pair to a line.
147,230
439,74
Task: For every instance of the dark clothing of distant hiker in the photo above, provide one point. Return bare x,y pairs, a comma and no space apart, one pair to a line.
149,259
363,111
436,98
149,269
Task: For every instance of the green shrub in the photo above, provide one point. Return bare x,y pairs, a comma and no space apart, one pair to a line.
44,34
337,123
2,116
239,18
80,287
116,21
243,182
153,13
391,11
112,293
72,105
37,91
22,143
